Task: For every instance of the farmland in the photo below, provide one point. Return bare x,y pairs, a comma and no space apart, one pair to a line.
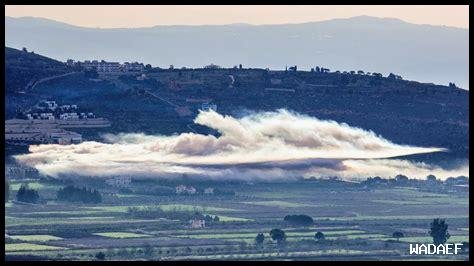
357,223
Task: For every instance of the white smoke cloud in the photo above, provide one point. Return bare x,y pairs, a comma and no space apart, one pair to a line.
269,145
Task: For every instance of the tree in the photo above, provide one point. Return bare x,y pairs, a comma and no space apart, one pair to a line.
319,236
439,231
148,250
25,194
397,235
278,235
75,194
259,239
431,178
401,179
299,220
7,189
100,255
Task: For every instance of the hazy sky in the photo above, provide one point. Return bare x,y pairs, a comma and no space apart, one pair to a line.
141,16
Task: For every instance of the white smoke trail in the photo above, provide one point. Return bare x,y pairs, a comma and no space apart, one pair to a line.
270,145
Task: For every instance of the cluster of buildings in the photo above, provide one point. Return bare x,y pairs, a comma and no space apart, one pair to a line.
71,116
25,132
47,123
44,116
119,181
20,172
108,67
182,189
62,116
63,112
53,106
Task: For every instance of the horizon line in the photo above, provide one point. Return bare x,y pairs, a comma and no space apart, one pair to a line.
234,23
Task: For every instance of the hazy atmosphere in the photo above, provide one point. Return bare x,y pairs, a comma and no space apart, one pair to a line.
237,133
146,16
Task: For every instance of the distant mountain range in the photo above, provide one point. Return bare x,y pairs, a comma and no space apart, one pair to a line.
424,53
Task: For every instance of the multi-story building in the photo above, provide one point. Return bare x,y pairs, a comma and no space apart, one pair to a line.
133,67
112,67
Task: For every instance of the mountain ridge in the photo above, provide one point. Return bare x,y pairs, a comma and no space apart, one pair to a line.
361,18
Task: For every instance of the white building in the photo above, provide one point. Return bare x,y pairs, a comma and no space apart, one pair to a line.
52,105
208,106
102,66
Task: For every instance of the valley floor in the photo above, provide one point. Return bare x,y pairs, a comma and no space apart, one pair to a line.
358,224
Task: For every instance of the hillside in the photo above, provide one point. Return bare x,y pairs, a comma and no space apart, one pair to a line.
417,52
22,68
166,101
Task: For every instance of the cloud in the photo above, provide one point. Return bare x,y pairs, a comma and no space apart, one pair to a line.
268,145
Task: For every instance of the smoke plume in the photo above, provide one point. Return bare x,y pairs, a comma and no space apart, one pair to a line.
268,145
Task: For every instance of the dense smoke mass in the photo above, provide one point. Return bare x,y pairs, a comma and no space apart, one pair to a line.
267,146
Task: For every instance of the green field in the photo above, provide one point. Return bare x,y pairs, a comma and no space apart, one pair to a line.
356,223
278,203
35,238
29,246
121,235
428,239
